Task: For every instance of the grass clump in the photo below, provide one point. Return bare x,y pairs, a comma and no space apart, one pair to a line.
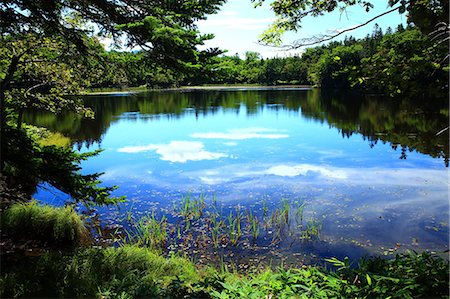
125,272
61,226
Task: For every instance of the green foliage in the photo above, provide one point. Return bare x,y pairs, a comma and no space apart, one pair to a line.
406,63
410,275
402,277
132,272
61,226
425,14
40,73
335,69
27,162
56,139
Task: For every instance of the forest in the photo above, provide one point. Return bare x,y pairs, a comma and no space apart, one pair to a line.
381,87
394,63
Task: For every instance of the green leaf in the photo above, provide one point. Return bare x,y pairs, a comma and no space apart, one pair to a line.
369,280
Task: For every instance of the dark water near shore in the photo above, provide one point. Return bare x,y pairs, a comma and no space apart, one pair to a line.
371,173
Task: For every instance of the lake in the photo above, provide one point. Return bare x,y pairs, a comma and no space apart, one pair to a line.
265,175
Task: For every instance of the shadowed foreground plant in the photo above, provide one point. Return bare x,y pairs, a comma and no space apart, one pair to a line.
125,272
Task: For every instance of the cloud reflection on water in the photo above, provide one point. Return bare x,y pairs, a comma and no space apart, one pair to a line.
241,134
309,173
177,151
305,169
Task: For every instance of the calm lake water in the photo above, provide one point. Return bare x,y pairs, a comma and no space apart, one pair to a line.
369,174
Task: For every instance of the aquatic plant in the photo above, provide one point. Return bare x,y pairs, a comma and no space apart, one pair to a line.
255,228
232,229
238,220
149,232
191,209
253,225
299,214
264,208
312,229
285,210
215,229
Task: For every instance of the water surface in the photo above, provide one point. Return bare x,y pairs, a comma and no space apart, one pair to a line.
372,172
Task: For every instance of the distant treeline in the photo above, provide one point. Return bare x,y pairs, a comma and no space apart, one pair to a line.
404,62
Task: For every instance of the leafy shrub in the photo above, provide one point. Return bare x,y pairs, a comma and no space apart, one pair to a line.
410,275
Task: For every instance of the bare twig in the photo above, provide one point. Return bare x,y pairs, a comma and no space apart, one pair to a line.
36,86
441,131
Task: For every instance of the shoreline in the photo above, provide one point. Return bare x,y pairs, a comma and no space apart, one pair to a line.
200,87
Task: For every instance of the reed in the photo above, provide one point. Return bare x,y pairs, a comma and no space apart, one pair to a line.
149,232
312,229
299,214
191,209
285,210
232,229
215,228
255,228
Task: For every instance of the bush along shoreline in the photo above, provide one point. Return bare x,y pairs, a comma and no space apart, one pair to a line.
131,271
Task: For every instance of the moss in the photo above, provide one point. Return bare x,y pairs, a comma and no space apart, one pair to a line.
61,226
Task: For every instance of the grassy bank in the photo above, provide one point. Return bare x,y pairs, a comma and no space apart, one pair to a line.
133,272
136,271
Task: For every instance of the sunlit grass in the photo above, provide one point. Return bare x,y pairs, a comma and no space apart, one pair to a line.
42,222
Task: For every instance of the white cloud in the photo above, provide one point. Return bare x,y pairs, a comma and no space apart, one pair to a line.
229,13
241,134
177,151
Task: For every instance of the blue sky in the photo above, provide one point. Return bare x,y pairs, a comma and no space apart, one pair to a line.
238,25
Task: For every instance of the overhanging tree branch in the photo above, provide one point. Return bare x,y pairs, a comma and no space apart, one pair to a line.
324,38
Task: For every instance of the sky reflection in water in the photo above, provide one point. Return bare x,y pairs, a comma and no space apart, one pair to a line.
247,145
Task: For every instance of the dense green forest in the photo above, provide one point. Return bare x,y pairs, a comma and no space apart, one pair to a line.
401,63
50,55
